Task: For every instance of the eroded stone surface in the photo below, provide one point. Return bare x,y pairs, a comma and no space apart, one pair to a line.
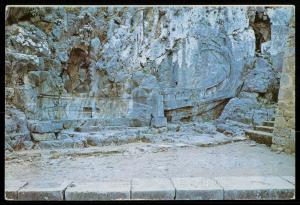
105,190
152,189
43,137
151,160
175,65
12,187
43,191
197,189
290,179
252,187
172,77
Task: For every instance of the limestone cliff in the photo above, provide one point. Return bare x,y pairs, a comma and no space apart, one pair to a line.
139,66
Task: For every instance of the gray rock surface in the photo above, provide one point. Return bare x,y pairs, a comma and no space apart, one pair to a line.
197,189
263,187
105,190
141,66
45,191
43,137
261,78
290,179
244,112
152,189
12,187
45,127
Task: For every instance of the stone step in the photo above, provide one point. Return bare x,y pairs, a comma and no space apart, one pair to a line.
264,129
269,123
58,125
43,191
102,190
14,136
60,144
71,139
188,188
255,187
260,136
89,129
99,128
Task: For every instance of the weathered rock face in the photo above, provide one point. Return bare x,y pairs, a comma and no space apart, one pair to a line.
139,66
243,112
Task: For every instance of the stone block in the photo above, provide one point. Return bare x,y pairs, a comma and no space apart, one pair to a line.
152,189
280,122
274,147
63,136
43,136
12,187
173,127
94,140
63,143
45,127
260,136
105,190
256,187
291,145
195,188
43,191
157,104
69,123
278,140
89,129
159,122
17,136
28,145
291,123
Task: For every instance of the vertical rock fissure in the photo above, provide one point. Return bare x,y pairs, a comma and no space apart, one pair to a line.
262,29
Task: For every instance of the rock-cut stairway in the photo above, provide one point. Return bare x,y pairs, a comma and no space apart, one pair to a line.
262,134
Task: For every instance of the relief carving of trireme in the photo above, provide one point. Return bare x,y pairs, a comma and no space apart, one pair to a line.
141,66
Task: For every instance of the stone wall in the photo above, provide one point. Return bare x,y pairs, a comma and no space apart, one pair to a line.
284,131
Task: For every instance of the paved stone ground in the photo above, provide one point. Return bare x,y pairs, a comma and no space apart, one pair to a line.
144,160
168,171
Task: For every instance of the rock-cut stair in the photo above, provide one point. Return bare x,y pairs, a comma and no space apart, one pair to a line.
262,134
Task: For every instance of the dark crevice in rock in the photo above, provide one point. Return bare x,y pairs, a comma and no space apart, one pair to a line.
14,15
262,29
78,61
186,119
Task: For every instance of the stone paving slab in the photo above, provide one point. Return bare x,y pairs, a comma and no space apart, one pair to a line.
43,191
197,188
256,188
290,179
12,187
189,188
105,190
152,189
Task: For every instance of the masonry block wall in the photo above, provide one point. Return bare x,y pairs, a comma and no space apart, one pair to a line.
284,131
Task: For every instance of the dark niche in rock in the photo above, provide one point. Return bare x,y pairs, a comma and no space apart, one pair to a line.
77,70
262,29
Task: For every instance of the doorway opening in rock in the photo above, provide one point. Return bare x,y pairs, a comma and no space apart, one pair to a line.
262,29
